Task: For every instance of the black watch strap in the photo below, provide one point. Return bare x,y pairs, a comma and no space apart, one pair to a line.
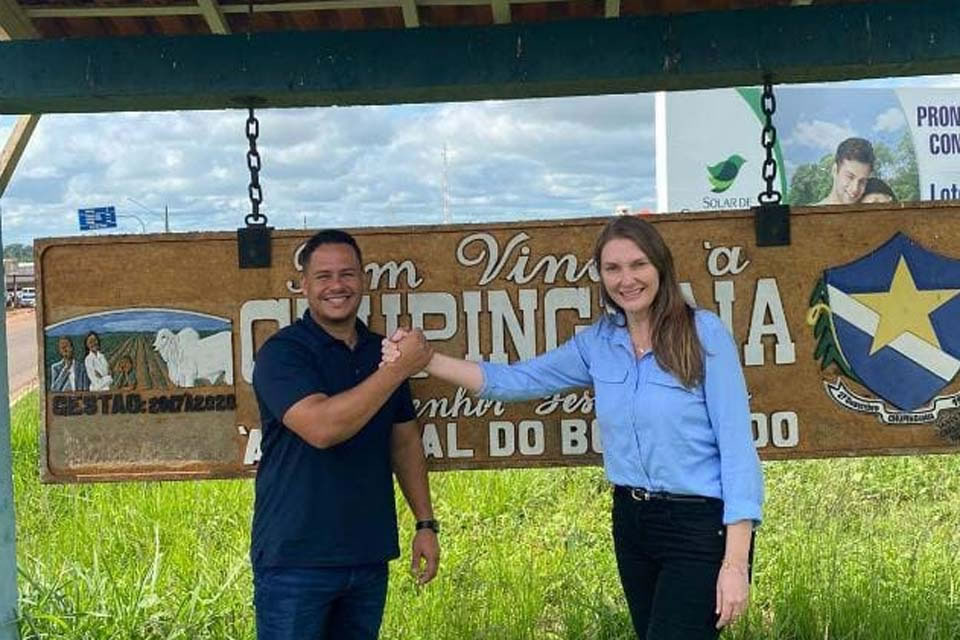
433,525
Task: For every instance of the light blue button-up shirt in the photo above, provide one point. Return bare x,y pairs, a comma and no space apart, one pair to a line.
656,433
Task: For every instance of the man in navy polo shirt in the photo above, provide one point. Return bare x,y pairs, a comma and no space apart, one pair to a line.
336,426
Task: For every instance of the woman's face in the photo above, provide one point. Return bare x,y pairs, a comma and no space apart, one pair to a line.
628,276
874,198
93,344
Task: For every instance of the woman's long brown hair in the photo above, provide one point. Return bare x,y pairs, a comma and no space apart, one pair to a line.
673,332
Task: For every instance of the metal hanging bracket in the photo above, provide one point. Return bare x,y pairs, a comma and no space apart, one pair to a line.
771,219
253,246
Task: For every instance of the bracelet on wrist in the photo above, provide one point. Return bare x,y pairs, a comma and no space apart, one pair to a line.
431,524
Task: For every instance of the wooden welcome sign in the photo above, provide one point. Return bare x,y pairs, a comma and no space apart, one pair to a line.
849,337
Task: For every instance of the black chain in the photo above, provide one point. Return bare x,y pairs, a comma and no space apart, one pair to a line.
768,138
253,156
253,163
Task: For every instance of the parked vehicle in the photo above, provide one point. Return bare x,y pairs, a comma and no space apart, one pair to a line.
27,297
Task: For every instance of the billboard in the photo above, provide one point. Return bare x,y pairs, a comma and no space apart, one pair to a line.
849,337
710,157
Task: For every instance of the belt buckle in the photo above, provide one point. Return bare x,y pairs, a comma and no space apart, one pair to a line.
640,495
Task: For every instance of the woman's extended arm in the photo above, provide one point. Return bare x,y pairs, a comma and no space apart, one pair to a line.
465,373
562,368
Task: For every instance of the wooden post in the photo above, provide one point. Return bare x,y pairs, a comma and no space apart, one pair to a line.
8,529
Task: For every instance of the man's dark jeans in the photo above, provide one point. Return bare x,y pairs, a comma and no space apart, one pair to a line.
320,603
669,555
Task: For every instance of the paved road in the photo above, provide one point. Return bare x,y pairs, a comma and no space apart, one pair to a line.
21,350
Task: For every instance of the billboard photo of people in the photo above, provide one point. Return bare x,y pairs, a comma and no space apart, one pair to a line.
852,179
835,141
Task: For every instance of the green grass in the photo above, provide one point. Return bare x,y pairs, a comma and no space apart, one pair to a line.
850,549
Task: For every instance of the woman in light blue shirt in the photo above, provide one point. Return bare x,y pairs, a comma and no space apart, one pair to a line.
671,404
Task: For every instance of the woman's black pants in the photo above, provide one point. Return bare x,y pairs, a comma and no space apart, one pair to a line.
669,550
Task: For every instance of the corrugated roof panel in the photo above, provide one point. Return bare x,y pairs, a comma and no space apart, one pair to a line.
379,17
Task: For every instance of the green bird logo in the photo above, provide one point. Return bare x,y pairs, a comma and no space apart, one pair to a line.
722,174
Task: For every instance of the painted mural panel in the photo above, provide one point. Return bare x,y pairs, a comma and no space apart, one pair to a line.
849,336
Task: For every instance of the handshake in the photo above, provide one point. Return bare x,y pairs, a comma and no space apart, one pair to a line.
407,350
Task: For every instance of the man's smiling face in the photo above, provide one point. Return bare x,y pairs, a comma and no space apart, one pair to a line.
332,280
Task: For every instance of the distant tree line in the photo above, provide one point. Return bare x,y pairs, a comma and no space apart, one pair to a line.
19,252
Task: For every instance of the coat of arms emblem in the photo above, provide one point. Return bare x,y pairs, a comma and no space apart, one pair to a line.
890,321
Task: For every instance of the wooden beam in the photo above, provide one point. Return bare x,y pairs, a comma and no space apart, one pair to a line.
14,23
411,16
611,9
147,11
144,11
13,150
113,11
582,57
315,5
501,11
213,14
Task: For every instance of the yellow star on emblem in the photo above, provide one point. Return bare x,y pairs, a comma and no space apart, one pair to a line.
904,308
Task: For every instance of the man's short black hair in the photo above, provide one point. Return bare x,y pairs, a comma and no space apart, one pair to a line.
328,236
856,149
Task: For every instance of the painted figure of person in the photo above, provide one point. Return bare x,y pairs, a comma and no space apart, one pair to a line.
852,165
98,369
336,427
878,191
67,373
671,405
125,378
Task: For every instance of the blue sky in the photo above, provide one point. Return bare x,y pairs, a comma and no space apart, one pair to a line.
337,166
813,128
142,320
357,166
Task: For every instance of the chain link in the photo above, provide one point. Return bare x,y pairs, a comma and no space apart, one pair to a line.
254,218
253,163
768,138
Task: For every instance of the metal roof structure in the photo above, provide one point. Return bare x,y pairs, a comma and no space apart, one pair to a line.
109,55
117,18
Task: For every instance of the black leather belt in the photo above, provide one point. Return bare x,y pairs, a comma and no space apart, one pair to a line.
645,495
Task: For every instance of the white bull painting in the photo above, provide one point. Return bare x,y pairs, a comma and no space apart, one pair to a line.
190,358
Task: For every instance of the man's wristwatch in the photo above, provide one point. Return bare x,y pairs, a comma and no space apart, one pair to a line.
433,525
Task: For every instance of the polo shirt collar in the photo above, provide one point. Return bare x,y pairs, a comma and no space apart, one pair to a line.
363,333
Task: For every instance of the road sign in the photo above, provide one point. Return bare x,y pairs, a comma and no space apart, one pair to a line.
97,218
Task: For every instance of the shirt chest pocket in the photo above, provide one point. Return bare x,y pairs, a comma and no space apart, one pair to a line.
609,386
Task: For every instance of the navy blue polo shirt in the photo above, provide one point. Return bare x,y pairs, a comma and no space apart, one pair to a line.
322,507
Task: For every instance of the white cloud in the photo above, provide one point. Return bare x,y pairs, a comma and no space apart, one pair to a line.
890,120
821,135
337,166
